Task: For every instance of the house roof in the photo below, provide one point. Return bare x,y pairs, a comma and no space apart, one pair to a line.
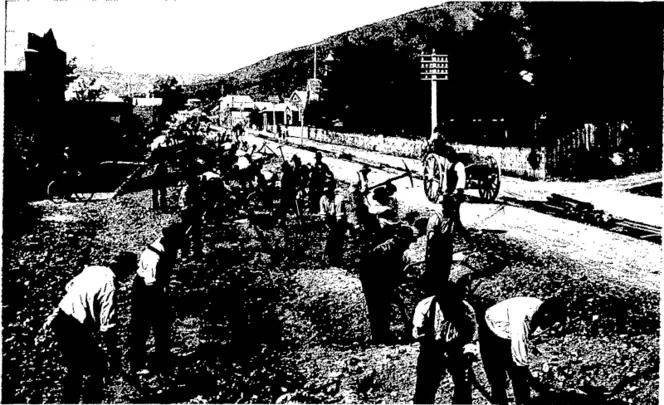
147,102
302,95
111,98
236,99
281,107
261,105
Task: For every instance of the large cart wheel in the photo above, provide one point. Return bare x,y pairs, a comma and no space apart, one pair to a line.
490,185
433,177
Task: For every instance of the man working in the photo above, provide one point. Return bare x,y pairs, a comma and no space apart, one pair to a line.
381,273
454,185
320,176
192,209
365,224
446,328
333,208
90,306
150,305
159,190
437,142
440,243
505,332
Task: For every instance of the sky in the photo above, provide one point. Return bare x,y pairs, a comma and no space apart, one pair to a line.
187,36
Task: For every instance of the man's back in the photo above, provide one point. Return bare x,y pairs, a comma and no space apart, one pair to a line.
90,297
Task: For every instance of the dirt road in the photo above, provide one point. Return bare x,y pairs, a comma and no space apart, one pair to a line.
599,253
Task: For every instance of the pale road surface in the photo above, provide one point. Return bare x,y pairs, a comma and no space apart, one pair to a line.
606,195
602,254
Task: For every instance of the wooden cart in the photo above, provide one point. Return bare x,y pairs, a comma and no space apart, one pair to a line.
482,174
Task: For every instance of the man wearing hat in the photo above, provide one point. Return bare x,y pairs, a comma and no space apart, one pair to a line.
381,273
150,304
385,209
320,175
292,182
364,223
89,306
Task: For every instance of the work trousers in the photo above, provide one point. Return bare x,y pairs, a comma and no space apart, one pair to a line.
81,356
435,358
335,240
378,294
150,310
159,198
192,219
498,364
315,195
438,260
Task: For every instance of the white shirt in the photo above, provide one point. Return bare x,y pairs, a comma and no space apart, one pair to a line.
459,169
335,207
443,329
147,265
90,297
510,319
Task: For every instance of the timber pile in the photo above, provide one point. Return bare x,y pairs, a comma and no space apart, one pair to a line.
639,229
585,212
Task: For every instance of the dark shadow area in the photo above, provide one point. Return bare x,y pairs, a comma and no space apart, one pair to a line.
652,190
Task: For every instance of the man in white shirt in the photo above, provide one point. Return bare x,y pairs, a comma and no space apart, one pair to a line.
333,210
454,185
504,337
151,308
89,306
446,328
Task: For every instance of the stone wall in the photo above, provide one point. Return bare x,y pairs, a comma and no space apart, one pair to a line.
516,161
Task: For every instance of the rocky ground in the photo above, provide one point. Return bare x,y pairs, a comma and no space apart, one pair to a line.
261,318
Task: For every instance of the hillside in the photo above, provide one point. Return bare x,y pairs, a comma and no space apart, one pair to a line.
123,84
590,70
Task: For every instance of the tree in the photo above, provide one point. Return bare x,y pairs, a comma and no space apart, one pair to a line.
173,97
87,89
70,73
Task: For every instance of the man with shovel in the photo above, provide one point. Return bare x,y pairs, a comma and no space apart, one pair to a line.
505,333
445,326
89,306
381,273
150,304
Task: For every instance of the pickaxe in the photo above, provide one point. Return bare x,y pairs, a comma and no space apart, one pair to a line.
280,147
407,174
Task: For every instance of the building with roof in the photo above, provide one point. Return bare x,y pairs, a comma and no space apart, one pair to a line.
236,102
281,114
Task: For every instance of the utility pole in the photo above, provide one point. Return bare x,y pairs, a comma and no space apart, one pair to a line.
434,68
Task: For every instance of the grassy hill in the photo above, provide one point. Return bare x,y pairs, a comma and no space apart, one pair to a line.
585,68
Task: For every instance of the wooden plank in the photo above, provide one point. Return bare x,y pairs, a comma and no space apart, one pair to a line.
638,225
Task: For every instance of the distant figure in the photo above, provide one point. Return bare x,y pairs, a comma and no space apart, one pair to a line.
320,176
159,191
366,224
90,306
437,142
333,209
191,209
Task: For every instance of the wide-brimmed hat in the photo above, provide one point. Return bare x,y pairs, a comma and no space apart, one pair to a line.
365,168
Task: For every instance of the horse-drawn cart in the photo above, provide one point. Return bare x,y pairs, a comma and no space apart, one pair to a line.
482,173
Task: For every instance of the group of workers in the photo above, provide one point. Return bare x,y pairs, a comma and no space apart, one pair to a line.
452,333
